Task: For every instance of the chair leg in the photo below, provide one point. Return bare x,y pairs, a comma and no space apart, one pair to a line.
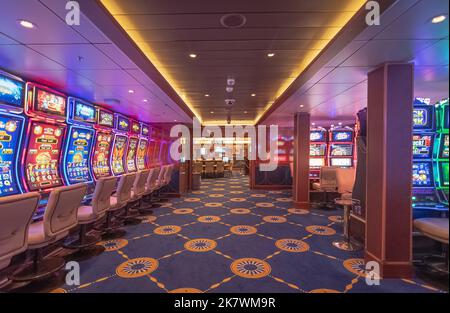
112,230
86,246
131,218
40,268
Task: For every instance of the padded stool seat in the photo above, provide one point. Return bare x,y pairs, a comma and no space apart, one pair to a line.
37,237
86,215
435,228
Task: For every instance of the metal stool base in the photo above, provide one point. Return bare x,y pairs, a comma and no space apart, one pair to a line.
346,245
41,270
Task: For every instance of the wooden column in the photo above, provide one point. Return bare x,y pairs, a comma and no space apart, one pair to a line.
389,167
300,190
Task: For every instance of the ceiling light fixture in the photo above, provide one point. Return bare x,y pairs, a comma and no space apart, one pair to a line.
340,123
145,100
301,105
192,55
438,19
245,112
212,112
206,95
131,91
27,24
313,124
271,54
253,95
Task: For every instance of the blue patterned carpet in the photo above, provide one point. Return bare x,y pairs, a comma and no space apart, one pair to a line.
227,238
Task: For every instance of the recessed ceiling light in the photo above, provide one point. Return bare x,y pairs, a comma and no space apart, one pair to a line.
301,105
253,94
438,19
332,125
271,54
207,95
26,24
313,124
131,91
212,112
245,112
174,120
340,123
192,55
145,100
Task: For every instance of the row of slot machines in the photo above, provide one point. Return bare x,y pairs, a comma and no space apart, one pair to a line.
430,172
331,147
48,140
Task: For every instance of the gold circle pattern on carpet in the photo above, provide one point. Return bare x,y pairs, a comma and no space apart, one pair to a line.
243,230
183,211
167,230
265,205
336,218
355,266
192,199
298,211
216,195
208,219
200,245
284,199
138,267
149,219
113,245
238,199
324,290
240,211
292,245
320,230
274,219
186,290
213,204
250,268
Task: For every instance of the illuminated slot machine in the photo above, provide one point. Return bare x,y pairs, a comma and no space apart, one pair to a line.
340,148
151,149
157,146
133,143
317,151
442,152
120,145
425,200
100,159
142,160
41,158
12,123
80,136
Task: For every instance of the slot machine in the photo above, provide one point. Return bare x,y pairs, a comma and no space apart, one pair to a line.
101,151
143,148
120,145
156,136
341,146
151,148
80,136
133,143
12,123
317,151
41,158
424,199
442,151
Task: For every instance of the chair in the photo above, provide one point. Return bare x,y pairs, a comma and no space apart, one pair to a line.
345,178
59,218
198,168
150,188
90,214
219,169
228,170
137,192
118,201
436,229
15,218
209,168
327,183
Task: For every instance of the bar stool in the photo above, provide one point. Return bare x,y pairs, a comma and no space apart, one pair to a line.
118,201
89,215
328,183
15,218
346,244
59,218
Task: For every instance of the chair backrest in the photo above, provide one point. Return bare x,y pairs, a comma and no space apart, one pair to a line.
15,218
101,200
219,167
168,174
345,179
328,178
153,180
140,181
209,167
123,191
148,182
62,207
198,168
162,173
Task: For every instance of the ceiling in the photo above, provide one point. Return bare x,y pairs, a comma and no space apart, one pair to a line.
339,89
169,31
50,54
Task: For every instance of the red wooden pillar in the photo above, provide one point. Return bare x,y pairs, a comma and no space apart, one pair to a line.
300,190
389,167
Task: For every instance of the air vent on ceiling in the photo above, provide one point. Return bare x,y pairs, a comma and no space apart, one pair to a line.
233,20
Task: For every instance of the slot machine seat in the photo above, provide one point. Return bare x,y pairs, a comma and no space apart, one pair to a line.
137,193
328,183
160,183
90,214
167,178
436,229
15,218
59,218
345,180
150,187
118,201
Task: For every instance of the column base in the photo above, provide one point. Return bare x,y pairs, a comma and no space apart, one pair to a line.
391,269
302,205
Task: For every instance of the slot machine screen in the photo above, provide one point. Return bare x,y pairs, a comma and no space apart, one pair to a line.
342,136
341,150
422,146
118,155
10,135
105,119
317,150
11,91
443,149
77,155
50,103
100,157
422,174
443,170
141,154
42,156
135,128
84,113
131,155
145,130
341,162
317,136
423,118
314,162
123,124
